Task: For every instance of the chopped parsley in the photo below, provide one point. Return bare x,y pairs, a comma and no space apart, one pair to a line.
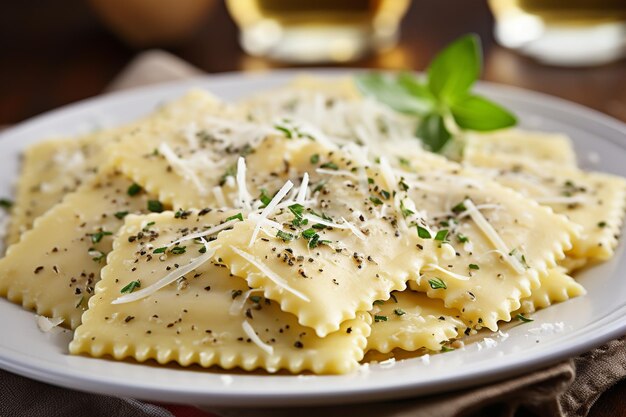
134,189
403,185
264,198
602,224
130,287
404,162
442,235
288,133
285,236
385,194
237,216
255,298
462,238
405,211
315,158
155,206
423,233
378,318
308,233
160,250
121,214
523,318
330,165
377,201
437,283
459,208
474,266
5,203
97,237
399,312
178,250
445,349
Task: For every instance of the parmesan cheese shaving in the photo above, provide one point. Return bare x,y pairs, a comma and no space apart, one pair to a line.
339,173
303,189
169,278
179,166
345,225
243,195
204,233
435,267
218,193
561,200
46,324
492,235
237,305
387,173
273,276
247,328
269,209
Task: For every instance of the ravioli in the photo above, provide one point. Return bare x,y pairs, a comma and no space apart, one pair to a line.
556,287
596,201
201,318
553,148
54,267
410,321
53,168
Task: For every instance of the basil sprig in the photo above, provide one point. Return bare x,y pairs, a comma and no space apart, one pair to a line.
443,97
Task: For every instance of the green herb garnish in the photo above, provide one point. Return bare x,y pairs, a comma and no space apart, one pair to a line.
160,250
437,283
265,199
399,312
121,214
237,216
378,318
5,203
178,250
441,235
97,237
285,236
134,189
377,201
155,206
330,165
523,318
444,97
423,232
474,266
315,158
130,287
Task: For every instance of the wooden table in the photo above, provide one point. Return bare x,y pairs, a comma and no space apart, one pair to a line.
54,53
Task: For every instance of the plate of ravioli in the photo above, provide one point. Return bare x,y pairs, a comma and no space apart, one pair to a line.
284,238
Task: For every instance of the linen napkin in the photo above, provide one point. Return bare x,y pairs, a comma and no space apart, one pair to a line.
567,389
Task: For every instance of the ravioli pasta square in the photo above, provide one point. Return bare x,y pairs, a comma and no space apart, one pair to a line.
207,316
55,265
410,321
596,201
56,167
556,287
538,146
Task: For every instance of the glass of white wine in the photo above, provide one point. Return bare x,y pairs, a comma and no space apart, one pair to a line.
312,31
563,32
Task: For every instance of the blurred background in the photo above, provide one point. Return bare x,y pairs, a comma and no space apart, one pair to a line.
56,52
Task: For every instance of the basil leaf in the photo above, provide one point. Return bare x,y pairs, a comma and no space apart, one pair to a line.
477,113
433,133
454,70
417,89
391,93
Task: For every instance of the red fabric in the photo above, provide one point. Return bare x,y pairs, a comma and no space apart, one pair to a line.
186,411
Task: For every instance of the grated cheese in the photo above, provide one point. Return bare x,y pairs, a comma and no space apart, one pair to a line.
435,267
273,276
303,189
269,209
207,232
247,328
243,196
492,235
179,165
219,196
237,305
339,172
561,200
46,324
345,225
169,278
387,173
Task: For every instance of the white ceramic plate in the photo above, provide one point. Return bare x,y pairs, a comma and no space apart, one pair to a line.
581,323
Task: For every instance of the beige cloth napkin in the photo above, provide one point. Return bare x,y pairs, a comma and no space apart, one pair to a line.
566,389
